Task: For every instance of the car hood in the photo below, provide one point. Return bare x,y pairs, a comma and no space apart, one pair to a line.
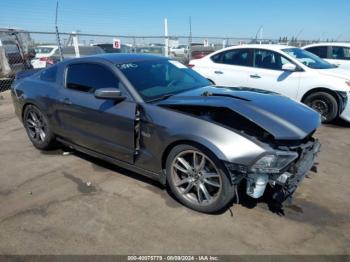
282,117
335,72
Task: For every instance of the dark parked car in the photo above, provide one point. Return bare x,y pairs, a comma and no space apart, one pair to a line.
154,50
108,48
161,119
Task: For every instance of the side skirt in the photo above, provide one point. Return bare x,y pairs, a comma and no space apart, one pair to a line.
133,168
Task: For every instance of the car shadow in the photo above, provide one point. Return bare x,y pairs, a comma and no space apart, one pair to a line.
165,192
101,164
338,122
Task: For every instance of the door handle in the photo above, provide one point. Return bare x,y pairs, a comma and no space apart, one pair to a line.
66,101
218,72
256,76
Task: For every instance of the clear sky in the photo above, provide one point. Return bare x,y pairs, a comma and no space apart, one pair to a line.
313,19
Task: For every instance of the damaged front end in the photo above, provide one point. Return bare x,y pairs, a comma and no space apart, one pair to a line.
283,166
280,127
283,170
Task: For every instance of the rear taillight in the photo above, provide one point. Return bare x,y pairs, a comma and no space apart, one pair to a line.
48,60
190,65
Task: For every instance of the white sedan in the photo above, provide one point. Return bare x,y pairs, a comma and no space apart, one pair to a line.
180,50
42,55
335,53
287,70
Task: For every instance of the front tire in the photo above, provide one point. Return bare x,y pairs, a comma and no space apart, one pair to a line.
325,104
198,179
38,129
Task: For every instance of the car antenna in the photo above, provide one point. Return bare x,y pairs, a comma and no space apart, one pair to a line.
58,35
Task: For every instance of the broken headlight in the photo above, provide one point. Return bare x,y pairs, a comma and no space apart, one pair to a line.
274,162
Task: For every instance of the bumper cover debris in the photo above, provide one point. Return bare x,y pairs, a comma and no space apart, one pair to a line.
287,183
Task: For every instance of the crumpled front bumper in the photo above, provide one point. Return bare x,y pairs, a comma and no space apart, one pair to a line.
286,184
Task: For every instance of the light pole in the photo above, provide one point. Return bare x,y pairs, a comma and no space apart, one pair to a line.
257,32
57,34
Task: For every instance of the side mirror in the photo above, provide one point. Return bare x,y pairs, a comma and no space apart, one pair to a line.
289,67
109,93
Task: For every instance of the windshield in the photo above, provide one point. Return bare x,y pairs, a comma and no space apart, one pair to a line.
308,59
158,78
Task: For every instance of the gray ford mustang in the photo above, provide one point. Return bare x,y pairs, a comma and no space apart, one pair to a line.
158,118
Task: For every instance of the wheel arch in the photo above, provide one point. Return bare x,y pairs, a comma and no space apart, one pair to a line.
35,104
25,105
211,148
326,90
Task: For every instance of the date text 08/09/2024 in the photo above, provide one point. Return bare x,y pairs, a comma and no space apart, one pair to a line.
173,258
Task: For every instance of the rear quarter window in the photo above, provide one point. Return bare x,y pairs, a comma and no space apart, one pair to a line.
217,58
238,57
320,51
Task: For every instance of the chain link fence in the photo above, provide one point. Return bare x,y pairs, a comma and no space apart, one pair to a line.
23,50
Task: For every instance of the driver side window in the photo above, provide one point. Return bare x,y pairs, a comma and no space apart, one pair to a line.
88,77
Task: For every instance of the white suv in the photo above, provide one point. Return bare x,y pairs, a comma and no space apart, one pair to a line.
287,70
335,53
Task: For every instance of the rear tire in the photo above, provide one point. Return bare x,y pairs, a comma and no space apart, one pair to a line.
325,104
198,179
38,129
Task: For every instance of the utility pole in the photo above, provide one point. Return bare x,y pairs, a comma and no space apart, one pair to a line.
57,34
258,32
261,34
299,33
339,36
76,43
166,37
190,40
319,40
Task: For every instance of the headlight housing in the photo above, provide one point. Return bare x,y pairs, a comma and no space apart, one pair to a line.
273,162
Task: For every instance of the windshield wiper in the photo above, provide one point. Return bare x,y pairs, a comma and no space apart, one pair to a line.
163,97
206,93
